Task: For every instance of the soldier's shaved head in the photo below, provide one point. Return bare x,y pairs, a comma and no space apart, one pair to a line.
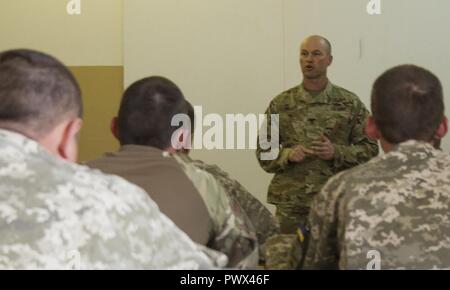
325,42
315,58
36,92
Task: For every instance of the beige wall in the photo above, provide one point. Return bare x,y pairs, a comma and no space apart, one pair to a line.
225,56
90,43
234,56
91,39
102,88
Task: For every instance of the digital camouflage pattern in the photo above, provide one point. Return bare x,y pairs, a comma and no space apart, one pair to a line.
233,233
59,215
336,113
263,221
283,252
397,204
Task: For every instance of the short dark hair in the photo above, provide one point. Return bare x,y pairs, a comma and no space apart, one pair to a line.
146,112
36,91
407,104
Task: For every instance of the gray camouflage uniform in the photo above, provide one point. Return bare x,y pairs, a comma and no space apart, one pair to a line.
59,215
396,204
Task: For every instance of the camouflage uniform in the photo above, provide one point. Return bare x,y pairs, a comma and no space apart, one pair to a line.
263,221
59,215
283,252
397,204
233,233
336,113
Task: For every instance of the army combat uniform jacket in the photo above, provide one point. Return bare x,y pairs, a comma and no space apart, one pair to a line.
336,113
391,213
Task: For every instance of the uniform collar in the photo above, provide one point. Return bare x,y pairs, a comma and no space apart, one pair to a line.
323,97
415,146
18,139
142,149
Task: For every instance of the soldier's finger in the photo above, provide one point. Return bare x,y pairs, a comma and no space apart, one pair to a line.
296,157
324,138
320,148
328,145
298,149
318,143
307,151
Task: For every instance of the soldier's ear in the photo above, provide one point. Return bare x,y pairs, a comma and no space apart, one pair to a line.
114,128
68,146
442,129
62,140
372,129
181,139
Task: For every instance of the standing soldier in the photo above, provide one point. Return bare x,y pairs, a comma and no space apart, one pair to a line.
321,131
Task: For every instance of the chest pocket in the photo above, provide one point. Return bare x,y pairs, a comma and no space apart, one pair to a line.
293,121
301,124
337,122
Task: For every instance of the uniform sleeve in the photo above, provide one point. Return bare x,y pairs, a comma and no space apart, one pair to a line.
361,148
235,235
322,248
263,222
232,233
271,159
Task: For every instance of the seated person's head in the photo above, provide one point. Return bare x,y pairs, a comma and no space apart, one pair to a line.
40,98
146,112
407,104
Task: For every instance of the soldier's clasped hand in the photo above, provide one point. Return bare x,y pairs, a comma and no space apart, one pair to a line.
323,148
299,153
